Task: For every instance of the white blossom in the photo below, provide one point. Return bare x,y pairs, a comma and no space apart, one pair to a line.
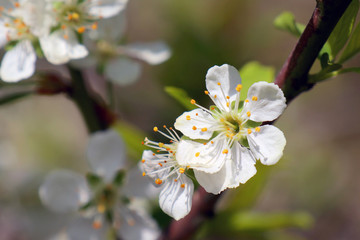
68,191
229,137
176,187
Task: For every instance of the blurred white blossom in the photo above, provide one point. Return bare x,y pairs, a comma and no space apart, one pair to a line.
100,197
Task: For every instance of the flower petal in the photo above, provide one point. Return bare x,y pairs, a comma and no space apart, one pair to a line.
175,200
138,186
137,225
153,52
236,170
3,33
106,153
269,104
18,63
228,77
60,50
106,30
64,191
267,145
195,124
106,8
122,71
150,165
208,158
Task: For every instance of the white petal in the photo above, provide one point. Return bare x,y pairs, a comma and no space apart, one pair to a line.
198,118
122,71
153,53
18,63
3,33
175,200
59,50
106,153
106,30
236,170
270,102
64,191
208,158
229,78
268,144
81,229
139,186
149,166
136,225
106,8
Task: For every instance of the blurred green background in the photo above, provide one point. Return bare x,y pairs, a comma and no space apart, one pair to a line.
317,175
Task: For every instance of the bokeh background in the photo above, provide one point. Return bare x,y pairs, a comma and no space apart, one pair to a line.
318,174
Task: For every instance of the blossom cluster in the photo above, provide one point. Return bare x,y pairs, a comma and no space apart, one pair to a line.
221,145
64,30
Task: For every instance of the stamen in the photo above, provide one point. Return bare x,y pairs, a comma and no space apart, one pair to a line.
238,87
248,114
183,185
81,29
96,224
181,170
247,100
206,92
101,208
249,131
192,101
197,154
254,98
188,117
194,128
225,151
218,83
143,174
158,181
204,129
257,129
143,160
155,129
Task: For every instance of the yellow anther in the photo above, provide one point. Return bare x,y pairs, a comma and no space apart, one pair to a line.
164,126
218,83
188,117
197,114
206,92
96,224
143,174
227,104
94,26
63,27
192,101
212,142
101,208
17,4
204,129
75,16
160,164
215,96
225,151
158,181
227,97
181,170
248,114
2,8
155,129
222,120
247,100
212,108
257,129
81,29
197,154
194,128
161,144
183,185
143,160
249,131
238,87
254,98
66,36
232,135
175,180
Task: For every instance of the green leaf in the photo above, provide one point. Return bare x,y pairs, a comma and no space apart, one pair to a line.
181,96
353,47
233,223
323,76
132,137
253,72
286,22
13,97
343,28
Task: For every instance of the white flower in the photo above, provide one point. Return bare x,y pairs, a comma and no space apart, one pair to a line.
101,195
71,17
117,60
177,189
20,27
230,131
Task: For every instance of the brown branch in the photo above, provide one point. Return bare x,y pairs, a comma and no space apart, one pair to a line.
293,79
